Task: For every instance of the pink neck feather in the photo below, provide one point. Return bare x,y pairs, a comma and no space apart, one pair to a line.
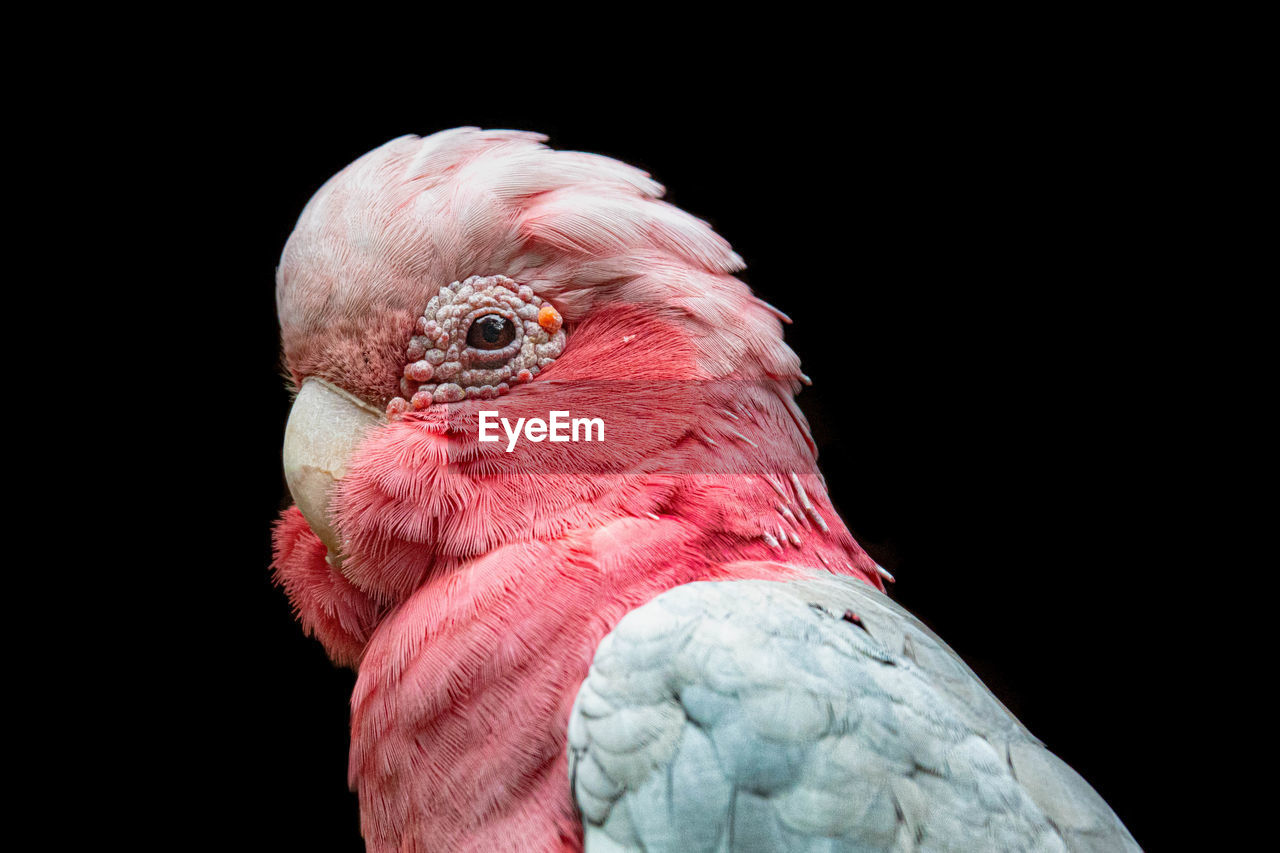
461,708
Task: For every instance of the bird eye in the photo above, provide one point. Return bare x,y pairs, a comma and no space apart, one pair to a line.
477,339
492,331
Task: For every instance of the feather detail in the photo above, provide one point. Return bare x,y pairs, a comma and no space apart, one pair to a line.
476,583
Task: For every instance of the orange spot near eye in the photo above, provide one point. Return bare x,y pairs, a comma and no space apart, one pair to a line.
550,319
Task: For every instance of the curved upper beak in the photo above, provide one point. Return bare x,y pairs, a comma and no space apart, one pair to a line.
325,426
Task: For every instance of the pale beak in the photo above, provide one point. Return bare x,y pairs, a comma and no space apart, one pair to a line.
325,426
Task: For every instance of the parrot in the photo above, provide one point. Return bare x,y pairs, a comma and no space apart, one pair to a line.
554,502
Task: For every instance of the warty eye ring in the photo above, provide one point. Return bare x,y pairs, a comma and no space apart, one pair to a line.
477,338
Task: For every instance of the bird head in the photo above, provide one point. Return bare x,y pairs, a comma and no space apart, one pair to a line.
475,271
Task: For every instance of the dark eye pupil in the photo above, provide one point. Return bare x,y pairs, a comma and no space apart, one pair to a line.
491,332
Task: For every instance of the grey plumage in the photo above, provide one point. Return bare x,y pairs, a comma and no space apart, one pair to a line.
758,716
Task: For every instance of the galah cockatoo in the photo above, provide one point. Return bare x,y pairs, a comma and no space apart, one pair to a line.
556,505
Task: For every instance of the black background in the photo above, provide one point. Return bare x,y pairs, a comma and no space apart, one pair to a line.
958,270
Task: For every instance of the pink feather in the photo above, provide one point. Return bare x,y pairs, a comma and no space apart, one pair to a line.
477,583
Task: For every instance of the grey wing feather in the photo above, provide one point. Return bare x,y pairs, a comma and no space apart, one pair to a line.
753,716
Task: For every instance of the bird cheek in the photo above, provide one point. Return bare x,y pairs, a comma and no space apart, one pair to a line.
326,424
